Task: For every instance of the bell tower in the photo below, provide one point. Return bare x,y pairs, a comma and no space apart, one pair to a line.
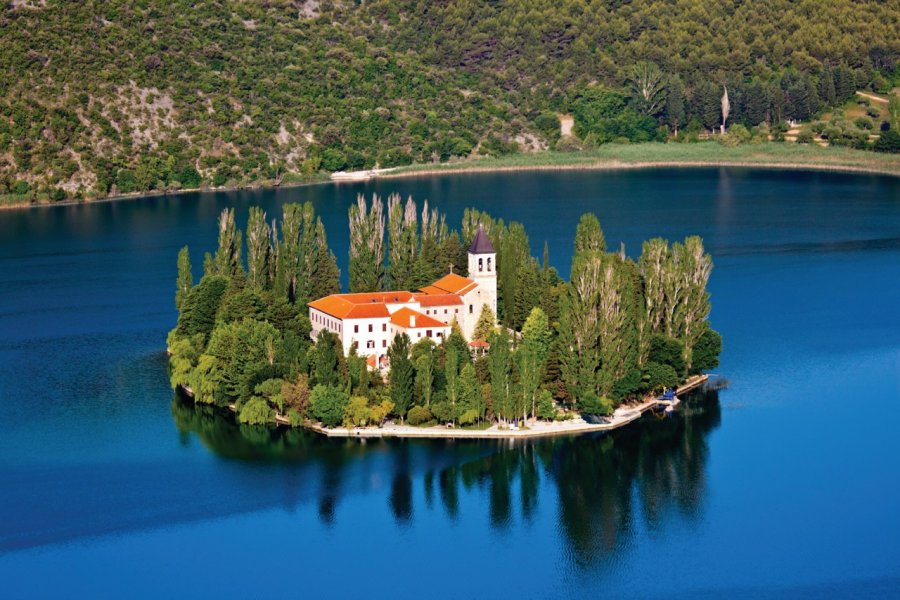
483,271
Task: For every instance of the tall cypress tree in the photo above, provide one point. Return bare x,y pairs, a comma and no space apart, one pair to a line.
401,377
532,356
185,280
324,276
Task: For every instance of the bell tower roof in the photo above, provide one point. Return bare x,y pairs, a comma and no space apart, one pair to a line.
481,244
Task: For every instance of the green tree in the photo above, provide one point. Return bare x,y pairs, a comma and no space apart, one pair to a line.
259,248
532,355
328,404
424,364
199,307
228,255
485,325
185,280
500,368
401,377
648,87
327,357
366,266
705,355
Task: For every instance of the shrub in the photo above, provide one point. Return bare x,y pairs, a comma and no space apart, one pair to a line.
707,348
419,415
658,376
888,142
818,127
256,412
873,112
666,351
805,137
357,412
545,407
864,123
469,417
442,411
592,404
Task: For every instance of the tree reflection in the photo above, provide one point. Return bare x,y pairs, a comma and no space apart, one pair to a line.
605,484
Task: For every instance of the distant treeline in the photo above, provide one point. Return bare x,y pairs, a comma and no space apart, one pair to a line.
104,97
618,330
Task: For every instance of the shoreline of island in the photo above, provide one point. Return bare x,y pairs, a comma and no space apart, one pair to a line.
622,416
612,157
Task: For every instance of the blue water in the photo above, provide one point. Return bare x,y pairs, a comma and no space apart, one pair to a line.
785,484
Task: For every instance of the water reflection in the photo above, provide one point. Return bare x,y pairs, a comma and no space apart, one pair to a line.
607,487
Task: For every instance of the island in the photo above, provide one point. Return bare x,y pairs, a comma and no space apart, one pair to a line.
442,332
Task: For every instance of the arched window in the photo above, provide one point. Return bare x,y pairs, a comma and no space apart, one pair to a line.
480,264
489,263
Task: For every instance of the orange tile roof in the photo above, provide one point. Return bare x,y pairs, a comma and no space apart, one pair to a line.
437,299
338,306
402,318
360,306
431,290
371,361
451,284
479,344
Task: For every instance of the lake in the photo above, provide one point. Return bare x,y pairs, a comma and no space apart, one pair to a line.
787,483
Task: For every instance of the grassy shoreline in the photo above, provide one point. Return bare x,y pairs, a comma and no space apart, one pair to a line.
608,157
653,155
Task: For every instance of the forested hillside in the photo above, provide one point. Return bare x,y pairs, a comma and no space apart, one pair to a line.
110,97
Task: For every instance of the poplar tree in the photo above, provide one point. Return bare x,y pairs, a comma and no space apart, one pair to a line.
451,379
366,266
185,280
402,242
425,374
259,248
532,356
694,266
500,369
228,254
652,263
618,326
433,234
580,327
297,258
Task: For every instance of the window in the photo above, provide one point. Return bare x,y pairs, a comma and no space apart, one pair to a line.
370,344
370,328
471,309
384,326
356,329
428,332
489,263
480,264
445,311
384,343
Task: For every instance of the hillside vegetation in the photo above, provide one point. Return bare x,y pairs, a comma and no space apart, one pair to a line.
111,97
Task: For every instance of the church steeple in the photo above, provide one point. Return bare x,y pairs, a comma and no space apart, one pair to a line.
481,244
483,271
482,258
